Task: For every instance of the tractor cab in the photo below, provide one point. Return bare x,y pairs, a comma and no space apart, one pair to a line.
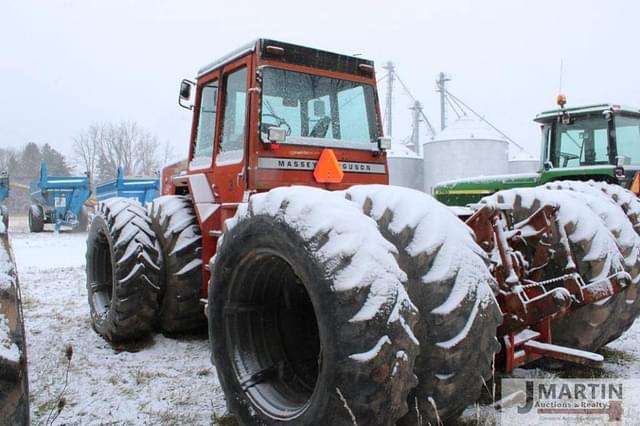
275,114
598,142
593,137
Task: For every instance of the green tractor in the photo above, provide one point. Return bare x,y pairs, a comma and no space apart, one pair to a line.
594,143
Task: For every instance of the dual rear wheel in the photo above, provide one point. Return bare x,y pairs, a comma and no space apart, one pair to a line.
603,244
144,270
296,335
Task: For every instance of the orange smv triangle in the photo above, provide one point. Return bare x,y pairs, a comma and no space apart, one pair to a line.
328,169
635,186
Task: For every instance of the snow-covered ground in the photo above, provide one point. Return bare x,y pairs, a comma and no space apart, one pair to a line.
164,381
167,381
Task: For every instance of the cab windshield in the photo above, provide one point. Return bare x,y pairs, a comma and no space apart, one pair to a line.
317,110
581,141
628,139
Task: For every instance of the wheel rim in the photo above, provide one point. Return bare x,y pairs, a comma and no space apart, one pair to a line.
101,274
272,335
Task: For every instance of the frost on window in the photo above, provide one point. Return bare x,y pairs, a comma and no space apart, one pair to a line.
582,142
628,139
203,150
316,110
234,118
229,157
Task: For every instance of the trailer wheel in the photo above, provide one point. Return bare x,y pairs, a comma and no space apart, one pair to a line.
36,218
309,322
610,203
4,212
450,282
596,256
174,223
123,269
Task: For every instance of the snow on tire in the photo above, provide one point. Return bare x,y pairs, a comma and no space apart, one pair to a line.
14,380
309,321
599,199
174,223
625,199
450,282
4,216
123,261
596,255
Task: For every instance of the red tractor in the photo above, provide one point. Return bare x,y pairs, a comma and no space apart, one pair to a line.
331,297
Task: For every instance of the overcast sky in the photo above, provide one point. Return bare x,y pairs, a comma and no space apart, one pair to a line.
67,64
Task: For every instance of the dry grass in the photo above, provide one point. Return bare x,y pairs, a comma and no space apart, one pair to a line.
225,420
142,376
204,372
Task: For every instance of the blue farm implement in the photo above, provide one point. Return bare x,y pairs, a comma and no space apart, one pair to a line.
143,189
59,200
4,193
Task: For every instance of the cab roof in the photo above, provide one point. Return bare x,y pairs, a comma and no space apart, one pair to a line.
300,55
585,110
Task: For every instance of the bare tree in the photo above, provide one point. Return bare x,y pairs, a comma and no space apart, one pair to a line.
168,153
8,159
85,149
105,147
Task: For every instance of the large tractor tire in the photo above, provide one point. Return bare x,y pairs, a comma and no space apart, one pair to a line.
123,268
623,230
36,218
174,223
450,283
4,214
14,382
596,257
625,199
309,321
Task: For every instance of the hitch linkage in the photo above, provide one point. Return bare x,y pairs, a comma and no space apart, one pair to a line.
520,253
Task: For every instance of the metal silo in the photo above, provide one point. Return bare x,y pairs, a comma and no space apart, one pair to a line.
523,163
405,167
465,149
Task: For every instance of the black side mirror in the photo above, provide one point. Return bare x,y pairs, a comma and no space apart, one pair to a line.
184,100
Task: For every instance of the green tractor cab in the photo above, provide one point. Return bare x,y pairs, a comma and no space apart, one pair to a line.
598,142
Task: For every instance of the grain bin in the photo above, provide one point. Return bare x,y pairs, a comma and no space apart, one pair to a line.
523,162
405,167
467,148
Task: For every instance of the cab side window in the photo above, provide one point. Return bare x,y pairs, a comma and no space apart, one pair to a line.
234,118
203,150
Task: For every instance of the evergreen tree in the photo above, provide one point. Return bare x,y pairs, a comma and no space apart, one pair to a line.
29,162
55,161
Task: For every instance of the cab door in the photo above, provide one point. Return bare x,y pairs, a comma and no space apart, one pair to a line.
204,125
232,139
